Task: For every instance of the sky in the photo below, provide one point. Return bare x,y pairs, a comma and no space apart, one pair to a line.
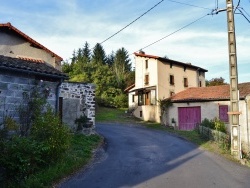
65,25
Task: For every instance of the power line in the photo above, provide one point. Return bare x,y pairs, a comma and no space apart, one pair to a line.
132,21
174,32
243,15
189,4
244,11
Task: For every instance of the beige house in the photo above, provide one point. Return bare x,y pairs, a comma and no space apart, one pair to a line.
158,78
14,43
193,105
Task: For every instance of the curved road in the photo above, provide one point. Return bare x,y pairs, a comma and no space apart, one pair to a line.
138,157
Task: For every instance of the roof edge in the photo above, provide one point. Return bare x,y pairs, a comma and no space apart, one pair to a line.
8,24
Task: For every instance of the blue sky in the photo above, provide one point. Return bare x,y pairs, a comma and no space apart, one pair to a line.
65,25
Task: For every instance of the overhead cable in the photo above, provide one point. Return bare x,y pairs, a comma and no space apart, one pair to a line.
174,32
187,4
132,21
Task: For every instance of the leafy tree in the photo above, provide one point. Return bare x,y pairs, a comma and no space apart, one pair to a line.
216,82
99,56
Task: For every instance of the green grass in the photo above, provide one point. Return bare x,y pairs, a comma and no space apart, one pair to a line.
79,154
113,115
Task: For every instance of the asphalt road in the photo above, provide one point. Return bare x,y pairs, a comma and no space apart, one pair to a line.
138,157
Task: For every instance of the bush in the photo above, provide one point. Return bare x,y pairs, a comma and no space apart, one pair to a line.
20,157
121,101
207,123
215,124
54,137
219,125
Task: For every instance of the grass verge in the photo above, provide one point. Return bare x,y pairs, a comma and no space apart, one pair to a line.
79,154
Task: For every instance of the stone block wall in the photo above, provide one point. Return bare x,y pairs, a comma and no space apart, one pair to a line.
12,87
78,99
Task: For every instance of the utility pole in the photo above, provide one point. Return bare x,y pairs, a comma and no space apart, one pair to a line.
234,94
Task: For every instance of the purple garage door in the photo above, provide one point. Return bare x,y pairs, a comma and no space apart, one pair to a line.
189,117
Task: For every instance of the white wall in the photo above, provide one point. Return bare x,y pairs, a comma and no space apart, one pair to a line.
210,110
14,46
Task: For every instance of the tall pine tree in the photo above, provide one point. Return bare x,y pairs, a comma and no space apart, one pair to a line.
121,67
99,56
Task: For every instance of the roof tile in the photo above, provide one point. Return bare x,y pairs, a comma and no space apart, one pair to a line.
29,66
221,92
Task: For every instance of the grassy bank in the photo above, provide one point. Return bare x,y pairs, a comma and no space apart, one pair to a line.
78,155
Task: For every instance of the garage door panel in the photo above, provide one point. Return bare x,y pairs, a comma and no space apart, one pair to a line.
189,117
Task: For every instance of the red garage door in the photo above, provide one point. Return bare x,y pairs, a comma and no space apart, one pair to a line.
189,117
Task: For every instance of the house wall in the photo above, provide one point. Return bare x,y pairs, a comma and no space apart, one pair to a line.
12,87
78,99
159,76
164,72
14,46
147,113
210,110
141,71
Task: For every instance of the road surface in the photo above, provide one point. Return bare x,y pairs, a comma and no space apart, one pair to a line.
134,156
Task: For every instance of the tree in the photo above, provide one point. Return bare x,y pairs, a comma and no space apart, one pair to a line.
216,82
110,59
86,53
99,56
121,67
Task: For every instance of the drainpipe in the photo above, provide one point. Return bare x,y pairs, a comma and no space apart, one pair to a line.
197,76
57,94
248,144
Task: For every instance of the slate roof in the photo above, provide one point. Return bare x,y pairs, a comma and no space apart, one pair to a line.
29,39
170,61
212,93
30,66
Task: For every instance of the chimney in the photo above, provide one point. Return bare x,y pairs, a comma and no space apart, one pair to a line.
141,52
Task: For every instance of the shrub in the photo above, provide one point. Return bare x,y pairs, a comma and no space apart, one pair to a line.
219,125
20,157
54,137
207,123
121,101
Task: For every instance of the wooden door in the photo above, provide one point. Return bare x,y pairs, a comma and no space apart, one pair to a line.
189,117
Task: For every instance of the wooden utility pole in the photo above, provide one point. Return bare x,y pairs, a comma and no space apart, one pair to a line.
234,95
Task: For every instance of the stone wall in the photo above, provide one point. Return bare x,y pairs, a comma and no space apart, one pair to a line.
12,87
78,100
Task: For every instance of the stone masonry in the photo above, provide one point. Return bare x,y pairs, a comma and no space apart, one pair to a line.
78,100
12,88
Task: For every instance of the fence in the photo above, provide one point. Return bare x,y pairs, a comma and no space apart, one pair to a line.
221,138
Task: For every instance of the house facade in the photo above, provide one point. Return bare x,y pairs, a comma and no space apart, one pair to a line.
193,105
25,63
18,76
158,78
14,43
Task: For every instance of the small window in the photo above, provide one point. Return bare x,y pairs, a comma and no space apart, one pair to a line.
171,79
171,93
171,65
140,113
146,64
133,98
185,82
185,68
200,84
223,110
146,81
